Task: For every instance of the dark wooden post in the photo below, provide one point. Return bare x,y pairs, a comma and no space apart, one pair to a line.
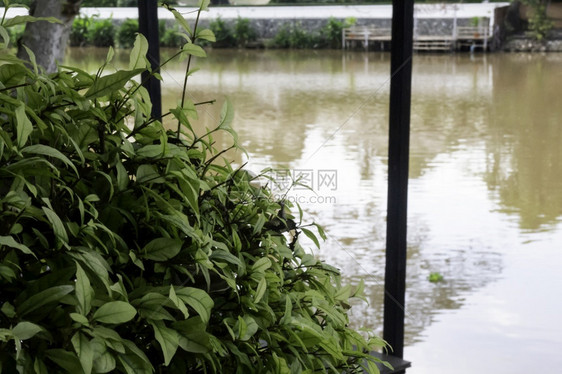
398,153
148,26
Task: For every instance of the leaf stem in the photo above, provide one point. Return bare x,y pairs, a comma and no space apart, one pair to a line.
184,89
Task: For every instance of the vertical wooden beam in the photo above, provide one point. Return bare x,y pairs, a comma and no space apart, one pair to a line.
148,26
398,154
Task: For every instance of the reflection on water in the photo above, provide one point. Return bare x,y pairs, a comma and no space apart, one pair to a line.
486,173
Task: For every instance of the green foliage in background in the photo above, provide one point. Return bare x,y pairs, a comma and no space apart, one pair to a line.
294,36
101,33
127,33
169,36
244,33
127,247
331,33
223,34
79,32
90,31
539,24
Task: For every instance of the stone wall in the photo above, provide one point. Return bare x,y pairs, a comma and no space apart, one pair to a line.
268,28
525,43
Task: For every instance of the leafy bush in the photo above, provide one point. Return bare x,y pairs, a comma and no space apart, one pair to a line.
99,3
244,32
294,36
101,33
170,36
223,33
539,24
15,33
79,31
331,33
127,33
129,248
127,3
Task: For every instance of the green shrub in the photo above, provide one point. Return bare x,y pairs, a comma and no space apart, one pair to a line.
539,24
15,33
127,3
127,33
244,32
129,248
223,34
101,33
294,36
99,3
79,31
170,36
331,33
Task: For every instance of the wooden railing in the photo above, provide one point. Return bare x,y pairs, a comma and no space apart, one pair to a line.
471,36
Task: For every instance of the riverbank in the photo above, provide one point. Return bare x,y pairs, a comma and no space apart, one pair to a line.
522,42
434,19
438,23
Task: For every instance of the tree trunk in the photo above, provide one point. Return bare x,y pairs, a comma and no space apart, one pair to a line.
48,40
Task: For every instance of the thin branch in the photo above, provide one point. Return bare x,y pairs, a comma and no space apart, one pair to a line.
187,71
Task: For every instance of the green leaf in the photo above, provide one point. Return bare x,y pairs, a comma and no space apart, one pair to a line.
204,4
93,261
190,189
110,55
8,309
219,254
10,242
137,58
23,125
84,351
246,327
7,273
261,265
150,151
58,227
115,312
5,37
286,319
194,50
311,236
32,58
259,224
65,359
18,20
122,177
42,298
79,318
198,299
227,115
45,150
182,22
206,34
193,337
103,359
161,249
178,302
148,174
131,347
168,339
26,330
110,83
260,290
38,366
84,291
151,306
